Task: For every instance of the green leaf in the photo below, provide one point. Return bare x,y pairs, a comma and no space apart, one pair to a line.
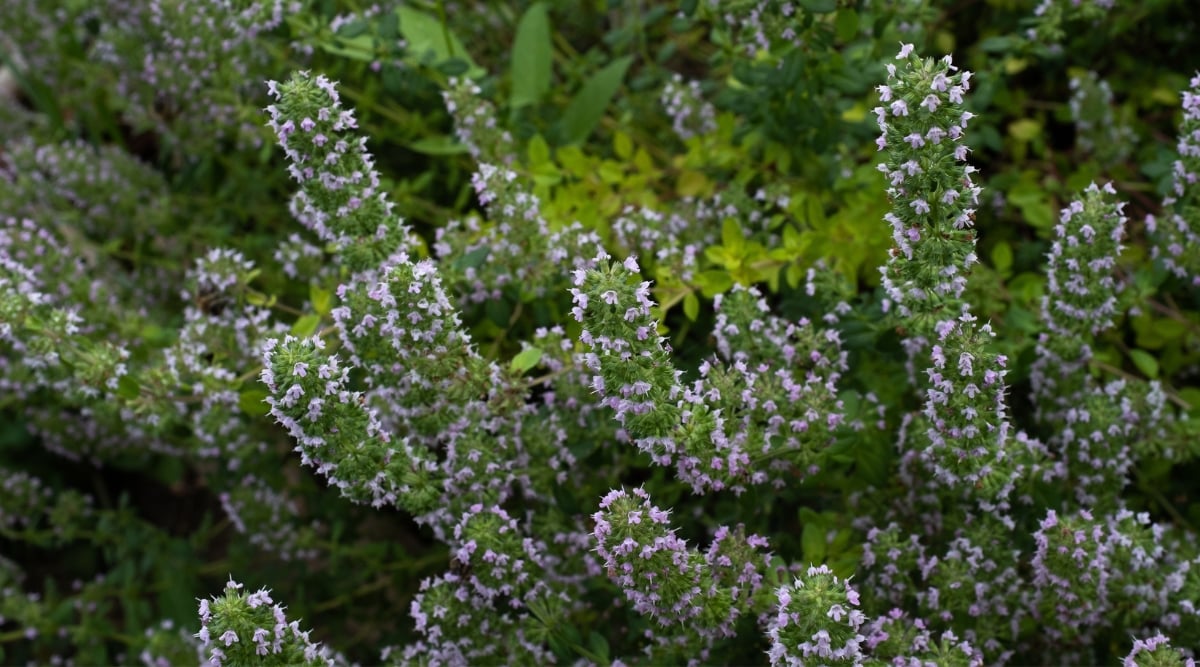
731,236
526,359
846,25
588,106
1145,362
812,542
819,6
691,306
252,402
532,57
426,34
128,388
322,299
1002,257
306,325
441,144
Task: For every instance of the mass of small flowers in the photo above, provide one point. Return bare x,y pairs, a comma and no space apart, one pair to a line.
486,432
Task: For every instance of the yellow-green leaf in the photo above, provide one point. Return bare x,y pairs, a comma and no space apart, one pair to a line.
322,299
691,306
526,359
1145,362
306,325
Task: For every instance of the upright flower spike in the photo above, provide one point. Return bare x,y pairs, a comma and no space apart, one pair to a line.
1177,234
341,199
338,434
772,408
818,622
1081,296
242,628
662,577
922,121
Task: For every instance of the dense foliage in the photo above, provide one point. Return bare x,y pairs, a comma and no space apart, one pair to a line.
599,332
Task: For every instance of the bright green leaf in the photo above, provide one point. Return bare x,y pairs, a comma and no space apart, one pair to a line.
306,325
322,299
1002,257
691,306
438,145
526,359
532,57
1145,362
426,34
812,542
588,106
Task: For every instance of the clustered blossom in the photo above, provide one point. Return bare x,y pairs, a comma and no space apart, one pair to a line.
664,578
182,68
1156,651
475,124
1050,16
242,628
1094,574
337,433
514,251
818,621
1097,130
771,405
966,416
901,640
1176,234
691,115
341,199
922,121
1081,298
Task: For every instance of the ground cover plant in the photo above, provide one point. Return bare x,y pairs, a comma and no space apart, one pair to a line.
599,332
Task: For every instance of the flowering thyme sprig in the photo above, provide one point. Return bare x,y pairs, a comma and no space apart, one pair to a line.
922,120
251,629
818,621
341,199
775,405
338,434
1081,299
1177,234
1156,651
662,576
690,113
966,417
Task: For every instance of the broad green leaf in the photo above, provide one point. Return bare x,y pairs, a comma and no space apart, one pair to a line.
588,106
691,306
128,388
252,402
526,359
438,145
1145,362
306,325
1002,257
812,541
846,25
819,6
532,57
426,34
322,299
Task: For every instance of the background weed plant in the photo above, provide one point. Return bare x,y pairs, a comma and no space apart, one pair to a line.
599,332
